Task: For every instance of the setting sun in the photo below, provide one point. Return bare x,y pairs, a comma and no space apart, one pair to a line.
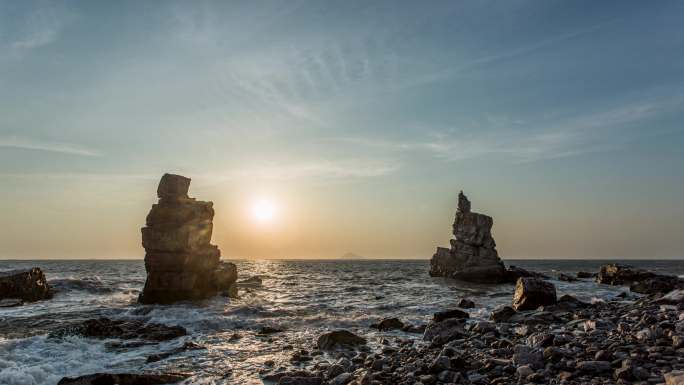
263,211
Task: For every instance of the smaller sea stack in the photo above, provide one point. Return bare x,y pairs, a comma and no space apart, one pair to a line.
472,256
181,262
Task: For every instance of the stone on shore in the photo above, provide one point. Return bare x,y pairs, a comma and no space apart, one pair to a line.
25,285
123,379
181,262
472,256
105,328
530,293
339,339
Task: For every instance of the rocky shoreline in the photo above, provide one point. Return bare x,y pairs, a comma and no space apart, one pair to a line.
627,340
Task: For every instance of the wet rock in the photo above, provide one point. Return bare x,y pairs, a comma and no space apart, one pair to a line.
566,277
465,303
530,293
440,333
448,314
123,379
27,285
585,274
189,345
502,314
104,328
390,324
339,339
181,263
266,330
472,256
640,281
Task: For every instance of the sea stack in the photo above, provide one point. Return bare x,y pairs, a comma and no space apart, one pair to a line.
181,262
472,256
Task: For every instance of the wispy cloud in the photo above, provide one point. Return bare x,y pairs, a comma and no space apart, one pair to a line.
39,145
592,132
40,27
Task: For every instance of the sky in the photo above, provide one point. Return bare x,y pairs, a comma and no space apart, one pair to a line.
356,122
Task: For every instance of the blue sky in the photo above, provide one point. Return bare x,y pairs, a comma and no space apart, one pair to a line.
361,120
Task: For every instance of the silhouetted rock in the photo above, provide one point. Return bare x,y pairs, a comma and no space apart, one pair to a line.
585,274
27,285
472,256
339,339
530,293
181,263
123,379
448,314
639,280
105,328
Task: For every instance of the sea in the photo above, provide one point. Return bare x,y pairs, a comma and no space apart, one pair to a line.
304,298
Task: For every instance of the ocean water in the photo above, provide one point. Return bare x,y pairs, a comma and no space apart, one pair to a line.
305,298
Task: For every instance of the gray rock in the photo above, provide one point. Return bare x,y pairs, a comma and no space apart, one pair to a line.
440,333
390,324
341,379
502,314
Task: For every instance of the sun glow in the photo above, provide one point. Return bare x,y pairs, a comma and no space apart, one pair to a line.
264,211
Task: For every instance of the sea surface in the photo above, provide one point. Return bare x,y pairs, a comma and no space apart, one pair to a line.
305,298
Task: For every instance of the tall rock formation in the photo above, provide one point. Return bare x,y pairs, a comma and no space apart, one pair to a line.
472,256
181,262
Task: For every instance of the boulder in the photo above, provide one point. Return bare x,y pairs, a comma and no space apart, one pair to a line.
465,303
105,328
448,314
472,256
585,274
180,261
123,379
674,297
440,333
675,377
339,339
26,285
530,293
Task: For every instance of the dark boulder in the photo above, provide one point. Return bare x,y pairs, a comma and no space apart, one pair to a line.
28,285
465,303
448,314
502,314
585,274
123,379
513,273
339,339
530,293
390,324
640,280
103,328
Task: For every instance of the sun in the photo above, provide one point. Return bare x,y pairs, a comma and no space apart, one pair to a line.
264,210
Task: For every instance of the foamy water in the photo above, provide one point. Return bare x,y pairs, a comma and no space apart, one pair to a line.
305,298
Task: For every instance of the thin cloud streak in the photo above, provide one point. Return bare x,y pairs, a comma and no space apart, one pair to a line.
585,134
37,145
